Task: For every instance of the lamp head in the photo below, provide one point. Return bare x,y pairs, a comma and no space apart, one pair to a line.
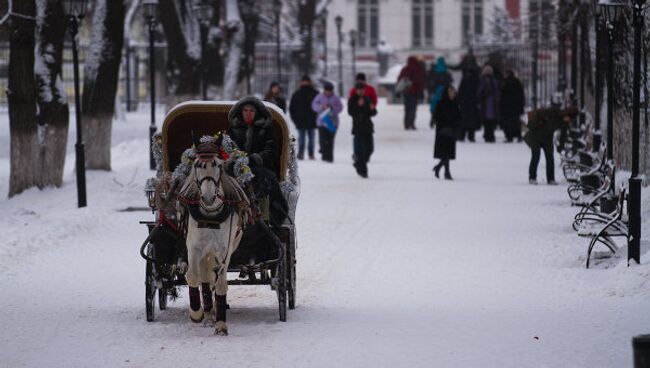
150,7
338,20
612,9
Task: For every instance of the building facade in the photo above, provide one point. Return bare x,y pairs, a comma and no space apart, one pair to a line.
425,28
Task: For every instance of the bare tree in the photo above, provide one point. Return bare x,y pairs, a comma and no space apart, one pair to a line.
236,35
21,95
53,112
184,50
101,73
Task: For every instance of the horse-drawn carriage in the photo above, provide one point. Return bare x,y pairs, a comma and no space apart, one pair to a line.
266,252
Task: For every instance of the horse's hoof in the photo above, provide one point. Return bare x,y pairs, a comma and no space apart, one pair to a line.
196,316
221,329
209,317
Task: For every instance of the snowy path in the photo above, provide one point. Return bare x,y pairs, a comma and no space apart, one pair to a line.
400,270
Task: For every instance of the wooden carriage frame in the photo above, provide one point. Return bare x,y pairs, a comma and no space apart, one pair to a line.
198,118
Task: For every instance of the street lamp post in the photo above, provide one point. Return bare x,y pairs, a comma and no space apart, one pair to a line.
634,199
597,137
534,35
75,11
150,7
339,53
277,10
325,16
612,12
353,45
203,11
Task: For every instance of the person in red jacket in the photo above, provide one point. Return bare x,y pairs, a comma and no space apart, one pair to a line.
415,74
368,92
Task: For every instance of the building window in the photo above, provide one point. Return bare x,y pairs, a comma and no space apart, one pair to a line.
422,13
472,20
368,23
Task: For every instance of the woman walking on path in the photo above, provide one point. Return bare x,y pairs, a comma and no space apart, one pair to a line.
469,104
438,81
488,95
447,117
274,95
328,106
411,75
360,108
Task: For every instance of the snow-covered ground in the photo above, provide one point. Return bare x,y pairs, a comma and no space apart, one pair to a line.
398,270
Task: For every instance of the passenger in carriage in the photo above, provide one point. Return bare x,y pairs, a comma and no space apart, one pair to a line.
251,127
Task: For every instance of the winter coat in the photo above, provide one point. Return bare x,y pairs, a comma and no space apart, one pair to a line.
415,72
361,115
300,107
278,101
438,76
447,116
468,100
542,123
369,92
512,98
488,94
322,102
256,139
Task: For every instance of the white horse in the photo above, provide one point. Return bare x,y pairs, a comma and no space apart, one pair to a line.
214,231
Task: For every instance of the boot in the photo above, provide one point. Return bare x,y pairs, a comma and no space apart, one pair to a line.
436,171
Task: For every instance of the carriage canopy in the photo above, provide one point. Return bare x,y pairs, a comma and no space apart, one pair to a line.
199,118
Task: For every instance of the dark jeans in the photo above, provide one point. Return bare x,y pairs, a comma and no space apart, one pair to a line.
410,107
534,162
488,129
363,148
326,140
464,132
302,134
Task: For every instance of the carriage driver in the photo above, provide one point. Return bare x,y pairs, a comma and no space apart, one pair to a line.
251,127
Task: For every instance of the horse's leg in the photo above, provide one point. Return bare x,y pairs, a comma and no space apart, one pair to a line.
207,266
221,290
193,282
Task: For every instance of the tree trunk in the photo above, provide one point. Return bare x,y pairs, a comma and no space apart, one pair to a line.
213,49
21,95
250,17
236,35
183,47
100,82
53,110
306,19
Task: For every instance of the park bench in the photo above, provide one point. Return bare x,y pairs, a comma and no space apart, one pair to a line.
610,226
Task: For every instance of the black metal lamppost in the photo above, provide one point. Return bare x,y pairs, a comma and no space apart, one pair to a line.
325,17
277,10
634,199
203,11
597,136
339,53
75,11
612,13
353,45
534,35
150,8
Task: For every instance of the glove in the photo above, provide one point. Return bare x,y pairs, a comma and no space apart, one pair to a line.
255,159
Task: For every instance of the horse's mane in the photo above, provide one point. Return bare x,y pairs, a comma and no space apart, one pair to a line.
232,190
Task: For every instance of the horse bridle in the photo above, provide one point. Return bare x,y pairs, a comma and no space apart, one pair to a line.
205,158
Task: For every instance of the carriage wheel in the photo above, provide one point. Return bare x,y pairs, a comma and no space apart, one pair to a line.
282,288
162,298
149,286
291,270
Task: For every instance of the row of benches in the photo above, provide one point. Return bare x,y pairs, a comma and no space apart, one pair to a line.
592,179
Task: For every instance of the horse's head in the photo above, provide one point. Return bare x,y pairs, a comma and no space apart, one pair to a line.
207,172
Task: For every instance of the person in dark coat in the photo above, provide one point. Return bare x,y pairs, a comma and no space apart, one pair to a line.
438,80
448,117
251,128
468,102
274,95
415,74
512,106
304,117
361,109
488,95
542,123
